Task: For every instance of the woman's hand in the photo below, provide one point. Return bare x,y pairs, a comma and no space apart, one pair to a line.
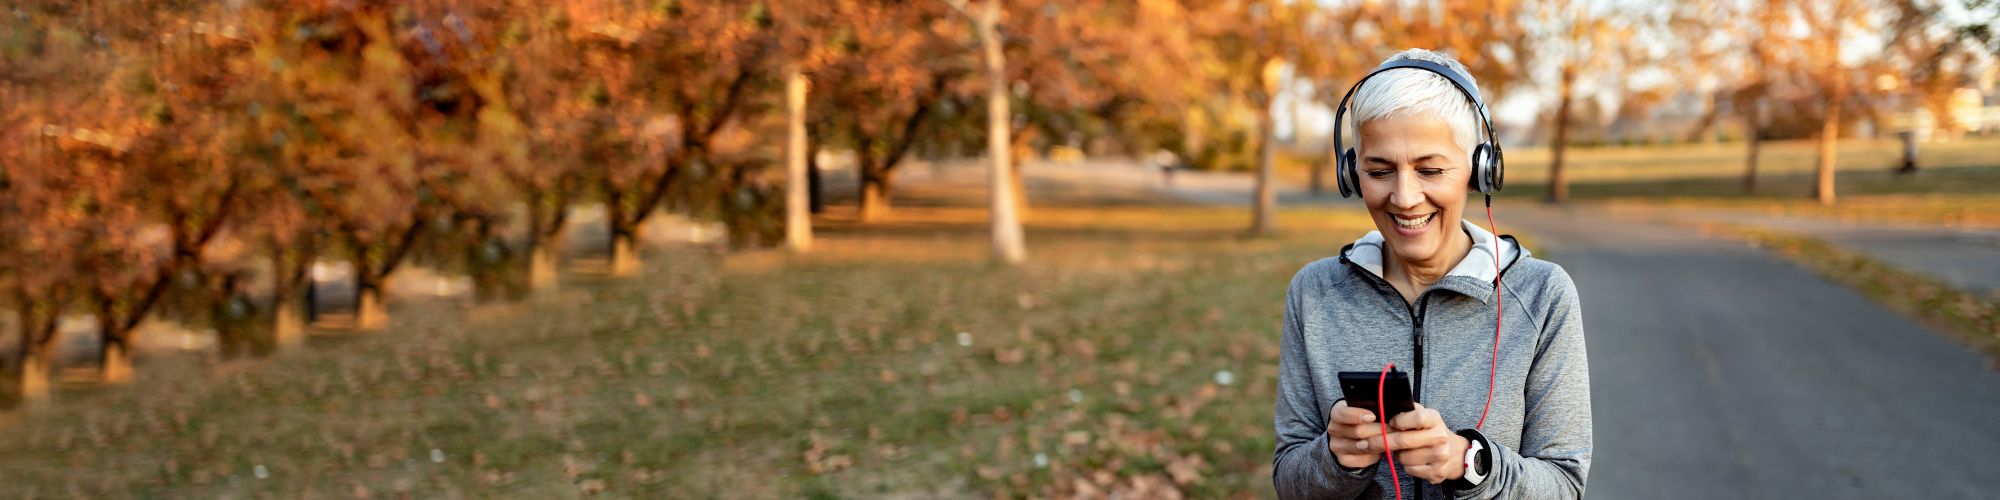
1425,448
1353,436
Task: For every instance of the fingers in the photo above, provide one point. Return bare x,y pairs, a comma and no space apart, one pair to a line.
1420,456
1409,440
1359,431
1420,418
1347,415
1424,463
1431,473
1359,446
1435,464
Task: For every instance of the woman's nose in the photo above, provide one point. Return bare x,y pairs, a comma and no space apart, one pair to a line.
1407,193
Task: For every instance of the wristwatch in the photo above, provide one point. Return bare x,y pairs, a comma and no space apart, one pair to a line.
1478,461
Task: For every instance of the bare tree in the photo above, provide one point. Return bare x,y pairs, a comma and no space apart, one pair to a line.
1008,247
1829,23
798,216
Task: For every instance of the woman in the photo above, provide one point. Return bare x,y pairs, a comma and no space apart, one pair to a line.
1420,293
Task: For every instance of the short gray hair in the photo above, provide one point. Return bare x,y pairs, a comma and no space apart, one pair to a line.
1411,91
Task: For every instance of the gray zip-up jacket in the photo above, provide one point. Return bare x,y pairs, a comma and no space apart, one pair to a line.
1341,315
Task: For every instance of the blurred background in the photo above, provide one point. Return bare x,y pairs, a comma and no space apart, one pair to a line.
948,248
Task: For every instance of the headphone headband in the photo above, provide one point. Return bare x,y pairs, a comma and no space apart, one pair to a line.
1458,81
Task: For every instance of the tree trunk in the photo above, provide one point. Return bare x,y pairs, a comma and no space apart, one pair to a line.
1909,140
288,322
116,359
1193,137
814,187
1754,125
1008,247
33,377
542,276
624,238
798,216
1829,136
371,310
547,221
1558,176
1266,203
875,186
625,252
1014,166
31,370
114,351
288,329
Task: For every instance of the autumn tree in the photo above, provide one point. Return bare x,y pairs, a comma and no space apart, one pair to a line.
538,137
1245,48
141,105
673,82
803,40
889,68
38,201
42,198
1077,69
1929,56
1487,36
1007,241
1822,52
383,110
1583,39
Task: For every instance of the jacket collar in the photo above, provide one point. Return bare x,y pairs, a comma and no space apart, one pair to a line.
1474,276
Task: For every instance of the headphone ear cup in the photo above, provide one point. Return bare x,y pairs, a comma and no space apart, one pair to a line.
1344,175
1482,169
1498,168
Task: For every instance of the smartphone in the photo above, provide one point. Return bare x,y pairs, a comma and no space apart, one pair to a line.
1359,389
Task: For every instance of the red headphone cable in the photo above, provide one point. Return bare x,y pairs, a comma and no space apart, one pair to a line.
1493,373
1380,384
1499,311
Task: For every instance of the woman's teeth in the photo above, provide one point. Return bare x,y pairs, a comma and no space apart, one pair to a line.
1417,223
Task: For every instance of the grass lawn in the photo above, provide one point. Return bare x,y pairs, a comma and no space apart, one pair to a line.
1137,352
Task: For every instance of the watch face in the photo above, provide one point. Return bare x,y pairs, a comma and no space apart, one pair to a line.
1477,459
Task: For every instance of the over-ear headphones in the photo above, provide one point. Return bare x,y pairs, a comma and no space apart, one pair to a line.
1487,163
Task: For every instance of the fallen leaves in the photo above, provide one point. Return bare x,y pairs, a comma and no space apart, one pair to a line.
818,460
1113,384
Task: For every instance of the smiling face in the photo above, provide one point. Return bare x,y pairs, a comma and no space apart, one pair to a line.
1413,179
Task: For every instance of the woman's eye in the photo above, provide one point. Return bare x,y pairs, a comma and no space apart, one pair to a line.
1431,172
1378,174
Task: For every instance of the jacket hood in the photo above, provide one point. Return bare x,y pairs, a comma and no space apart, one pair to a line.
1367,254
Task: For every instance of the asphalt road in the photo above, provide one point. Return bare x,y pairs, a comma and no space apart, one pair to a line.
1719,371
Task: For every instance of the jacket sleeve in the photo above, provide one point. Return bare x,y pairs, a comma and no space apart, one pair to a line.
1554,458
1302,466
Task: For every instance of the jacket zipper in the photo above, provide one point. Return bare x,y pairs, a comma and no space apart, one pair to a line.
1417,357
1416,312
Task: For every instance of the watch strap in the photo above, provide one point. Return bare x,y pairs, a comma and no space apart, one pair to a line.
1478,464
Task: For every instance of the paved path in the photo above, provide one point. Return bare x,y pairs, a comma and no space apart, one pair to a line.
1720,371
1968,259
